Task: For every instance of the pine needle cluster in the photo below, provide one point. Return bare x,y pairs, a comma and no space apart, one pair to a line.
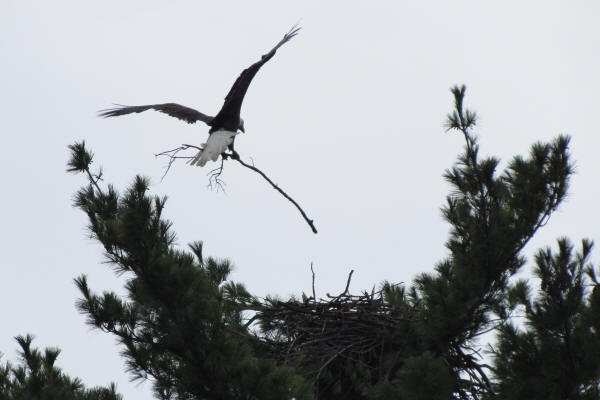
36,377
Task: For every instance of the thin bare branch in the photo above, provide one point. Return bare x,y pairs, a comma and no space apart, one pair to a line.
214,178
348,281
214,175
313,282
284,194
172,156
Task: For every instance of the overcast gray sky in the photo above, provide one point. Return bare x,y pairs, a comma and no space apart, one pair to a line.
347,117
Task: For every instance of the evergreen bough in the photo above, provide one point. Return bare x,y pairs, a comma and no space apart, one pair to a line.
37,377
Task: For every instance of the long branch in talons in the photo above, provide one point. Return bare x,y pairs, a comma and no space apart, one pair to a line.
214,175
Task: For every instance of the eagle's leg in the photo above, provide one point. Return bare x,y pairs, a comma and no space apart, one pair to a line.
234,154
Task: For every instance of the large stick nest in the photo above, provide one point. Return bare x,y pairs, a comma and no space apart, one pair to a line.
354,327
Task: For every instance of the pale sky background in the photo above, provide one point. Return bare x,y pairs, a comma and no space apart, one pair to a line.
347,118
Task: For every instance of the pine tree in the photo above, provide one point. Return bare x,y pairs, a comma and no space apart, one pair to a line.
556,354
201,336
37,378
182,323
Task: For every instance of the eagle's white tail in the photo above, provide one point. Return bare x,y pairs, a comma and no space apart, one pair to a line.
216,144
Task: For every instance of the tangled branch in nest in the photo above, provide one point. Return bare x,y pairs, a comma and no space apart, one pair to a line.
215,180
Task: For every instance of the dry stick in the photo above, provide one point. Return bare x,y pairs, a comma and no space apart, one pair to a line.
348,282
284,194
313,282
172,154
214,177
345,292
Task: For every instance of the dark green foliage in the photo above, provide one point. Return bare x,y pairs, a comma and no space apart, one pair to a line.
425,377
37,378
181,323
200,336
493,215
556,355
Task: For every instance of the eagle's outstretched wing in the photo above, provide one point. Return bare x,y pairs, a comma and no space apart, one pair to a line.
186,114
233,101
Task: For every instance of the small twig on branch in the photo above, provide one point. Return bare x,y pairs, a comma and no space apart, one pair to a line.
172,155
214,178
284,194
313,282
94,179
348,282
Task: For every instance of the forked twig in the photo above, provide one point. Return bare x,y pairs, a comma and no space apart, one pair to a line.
172,156
214,178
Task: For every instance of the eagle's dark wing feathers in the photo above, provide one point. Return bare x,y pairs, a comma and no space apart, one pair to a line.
233,101
186,114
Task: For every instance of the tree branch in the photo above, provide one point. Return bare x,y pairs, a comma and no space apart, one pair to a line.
313,283
348,281
216,173
284,194
172,156
214,178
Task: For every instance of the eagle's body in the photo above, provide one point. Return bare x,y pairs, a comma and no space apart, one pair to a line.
226,124
217,143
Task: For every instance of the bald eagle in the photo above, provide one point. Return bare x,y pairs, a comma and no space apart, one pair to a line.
226,124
